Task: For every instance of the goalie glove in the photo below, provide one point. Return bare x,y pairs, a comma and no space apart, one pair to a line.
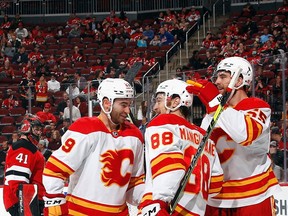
207,93
55,205
154,208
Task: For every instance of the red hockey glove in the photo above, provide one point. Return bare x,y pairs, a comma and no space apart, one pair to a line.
55,206
207,93
155,208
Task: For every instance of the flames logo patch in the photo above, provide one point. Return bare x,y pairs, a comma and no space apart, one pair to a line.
116,165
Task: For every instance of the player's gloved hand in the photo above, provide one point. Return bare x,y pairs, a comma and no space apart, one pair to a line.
55,205
154,208
207,93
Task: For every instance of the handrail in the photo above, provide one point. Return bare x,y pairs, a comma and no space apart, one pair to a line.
167,58
204,23
144,76
214,13
186,39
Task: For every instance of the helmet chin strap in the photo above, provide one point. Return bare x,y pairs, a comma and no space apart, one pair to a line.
108,113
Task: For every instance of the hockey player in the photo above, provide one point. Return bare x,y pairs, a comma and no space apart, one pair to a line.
171,142
243,136
24,165
102,155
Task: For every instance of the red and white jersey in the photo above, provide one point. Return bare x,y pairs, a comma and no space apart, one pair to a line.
106,168
171,142
243,138
24,164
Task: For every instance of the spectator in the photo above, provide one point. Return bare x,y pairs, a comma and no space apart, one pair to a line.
42,146
3,153
41,88
250,27
66,125
122,36
80,81
14,138
75,112
54,141
64,58
142,110
141,42
74,90
194,15
21,32
16,42
277,157
10,102
75,32
76,55
46,116
98,65
148,33
35,56
21,57
8,50
195,61
53,84
7,71
81,104
27,89
265,36
61,105
155,41
166,37
42,68
248,11
111,63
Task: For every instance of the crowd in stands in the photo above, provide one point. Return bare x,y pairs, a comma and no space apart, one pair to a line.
262,38
42,65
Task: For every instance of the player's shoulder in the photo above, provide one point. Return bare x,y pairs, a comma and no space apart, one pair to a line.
252,103
86,125
168,119
24,144
129,129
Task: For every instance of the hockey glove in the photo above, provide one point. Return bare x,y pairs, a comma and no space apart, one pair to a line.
155,208
207,93
55,206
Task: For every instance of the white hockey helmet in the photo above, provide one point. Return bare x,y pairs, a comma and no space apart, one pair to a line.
175,87
112,88
233,64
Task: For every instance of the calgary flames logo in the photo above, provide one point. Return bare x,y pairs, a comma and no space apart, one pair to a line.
116,167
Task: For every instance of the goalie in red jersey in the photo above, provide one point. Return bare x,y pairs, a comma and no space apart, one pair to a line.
24,165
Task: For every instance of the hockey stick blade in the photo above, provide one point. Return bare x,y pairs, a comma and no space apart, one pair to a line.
204,140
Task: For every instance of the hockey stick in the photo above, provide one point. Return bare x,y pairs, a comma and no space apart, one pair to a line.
223,101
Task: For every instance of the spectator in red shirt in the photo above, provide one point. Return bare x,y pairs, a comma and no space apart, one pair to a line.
46,116
76,55
10,102
41,88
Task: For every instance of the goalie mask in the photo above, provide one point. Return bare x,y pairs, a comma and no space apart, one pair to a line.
232,65
29,126
175,87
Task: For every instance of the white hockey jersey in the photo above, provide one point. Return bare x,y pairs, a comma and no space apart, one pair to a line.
243,137
171,142
106,168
